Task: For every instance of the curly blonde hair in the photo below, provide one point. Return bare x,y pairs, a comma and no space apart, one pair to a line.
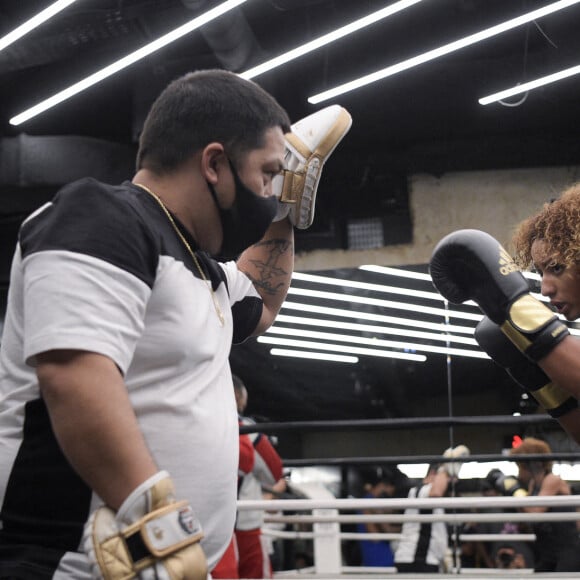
557,224
533,446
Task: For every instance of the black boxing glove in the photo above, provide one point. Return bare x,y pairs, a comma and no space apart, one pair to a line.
555,400
470,264
505,484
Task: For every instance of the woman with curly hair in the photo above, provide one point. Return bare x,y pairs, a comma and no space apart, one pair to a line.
557,546
549,242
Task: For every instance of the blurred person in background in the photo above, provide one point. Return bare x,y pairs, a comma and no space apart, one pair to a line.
557,545
379,483
423,547
260,466
509,557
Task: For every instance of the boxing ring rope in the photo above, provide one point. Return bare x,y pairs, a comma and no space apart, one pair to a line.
299,535
327,536
399,423
456,503
426,518
427,422
423,422
481,458
325,515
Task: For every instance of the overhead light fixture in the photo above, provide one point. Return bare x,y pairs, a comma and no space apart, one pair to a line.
567,471
413,470
469,470
390,271
427,278
381,318
366,286
386,304
314,355
368,328
324,318
441,51
126,61
375,342
34,22
530,85
474,470
396,272
328,38
340,348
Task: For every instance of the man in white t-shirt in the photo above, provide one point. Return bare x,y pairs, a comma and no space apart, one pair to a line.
116,394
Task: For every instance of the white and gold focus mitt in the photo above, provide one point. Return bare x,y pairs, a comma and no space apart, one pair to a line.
308,145
151,537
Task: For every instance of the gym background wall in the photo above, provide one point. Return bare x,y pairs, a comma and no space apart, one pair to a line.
491,200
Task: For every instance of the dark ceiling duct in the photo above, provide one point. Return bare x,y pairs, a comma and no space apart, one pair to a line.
229,36
294,4
41,161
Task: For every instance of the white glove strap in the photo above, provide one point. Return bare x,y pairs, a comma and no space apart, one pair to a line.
138,502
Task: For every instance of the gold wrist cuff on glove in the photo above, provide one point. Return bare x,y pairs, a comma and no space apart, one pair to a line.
551,396
528,314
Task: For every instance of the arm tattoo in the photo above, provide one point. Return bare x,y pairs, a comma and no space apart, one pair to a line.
267,271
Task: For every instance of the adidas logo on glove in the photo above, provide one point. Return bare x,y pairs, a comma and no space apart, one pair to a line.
506,264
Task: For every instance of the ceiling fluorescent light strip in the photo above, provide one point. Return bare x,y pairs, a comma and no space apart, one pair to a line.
396,272
366,286
418,275
469,470
427,278
529,86
410,292
375,342
328,38
386,289
320,323
126,61
314,355
359,315
441,51
34,22
386,304
317,346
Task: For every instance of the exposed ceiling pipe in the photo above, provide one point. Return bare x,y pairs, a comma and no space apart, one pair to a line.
230,37
293,4
30,161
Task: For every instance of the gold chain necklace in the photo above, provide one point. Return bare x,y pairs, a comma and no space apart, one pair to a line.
216,305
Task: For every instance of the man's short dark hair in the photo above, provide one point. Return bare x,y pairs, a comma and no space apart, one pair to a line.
202,107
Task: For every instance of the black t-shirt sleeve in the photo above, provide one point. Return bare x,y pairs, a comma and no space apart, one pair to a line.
97,220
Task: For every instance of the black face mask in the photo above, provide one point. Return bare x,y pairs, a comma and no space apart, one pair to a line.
246,222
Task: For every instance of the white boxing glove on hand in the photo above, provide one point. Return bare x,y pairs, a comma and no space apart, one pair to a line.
151,537
453,467
308,145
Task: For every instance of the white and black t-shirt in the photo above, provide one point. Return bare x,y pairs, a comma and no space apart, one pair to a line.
422,542
101,269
